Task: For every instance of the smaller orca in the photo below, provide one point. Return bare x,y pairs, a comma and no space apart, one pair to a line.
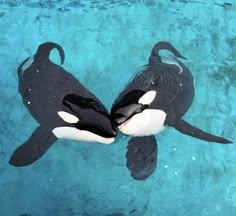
62,106
156,98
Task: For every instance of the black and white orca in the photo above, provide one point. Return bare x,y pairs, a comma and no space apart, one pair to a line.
156,98
62,106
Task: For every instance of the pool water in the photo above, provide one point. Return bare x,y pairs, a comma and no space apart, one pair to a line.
106,42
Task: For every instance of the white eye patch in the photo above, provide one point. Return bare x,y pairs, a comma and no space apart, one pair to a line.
67,117
147,98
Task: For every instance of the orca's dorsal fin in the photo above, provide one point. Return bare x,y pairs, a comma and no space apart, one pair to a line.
163,45
185,128
42,55
34,148
44,50
142,156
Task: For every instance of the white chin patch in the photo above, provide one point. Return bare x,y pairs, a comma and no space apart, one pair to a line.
147,98
80,135
149,122
67,117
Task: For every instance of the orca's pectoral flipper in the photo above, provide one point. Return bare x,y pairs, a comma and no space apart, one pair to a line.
163,45
142,157
184,127
44,50
33,148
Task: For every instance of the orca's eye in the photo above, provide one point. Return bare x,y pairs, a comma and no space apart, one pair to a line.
96,129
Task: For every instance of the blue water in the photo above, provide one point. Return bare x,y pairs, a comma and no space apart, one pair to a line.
106,43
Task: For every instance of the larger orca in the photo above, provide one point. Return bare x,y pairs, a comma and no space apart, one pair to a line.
157,97
62,106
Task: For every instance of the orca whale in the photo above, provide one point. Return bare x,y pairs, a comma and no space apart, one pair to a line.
62,106
156,98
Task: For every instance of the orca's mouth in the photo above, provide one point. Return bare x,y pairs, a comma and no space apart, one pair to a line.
96,129
122,115
123,124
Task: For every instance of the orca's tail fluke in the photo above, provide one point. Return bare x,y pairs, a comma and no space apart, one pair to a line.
184,127
142,156
163,45
44,50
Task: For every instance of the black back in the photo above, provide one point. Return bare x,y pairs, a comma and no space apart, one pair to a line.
43,85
